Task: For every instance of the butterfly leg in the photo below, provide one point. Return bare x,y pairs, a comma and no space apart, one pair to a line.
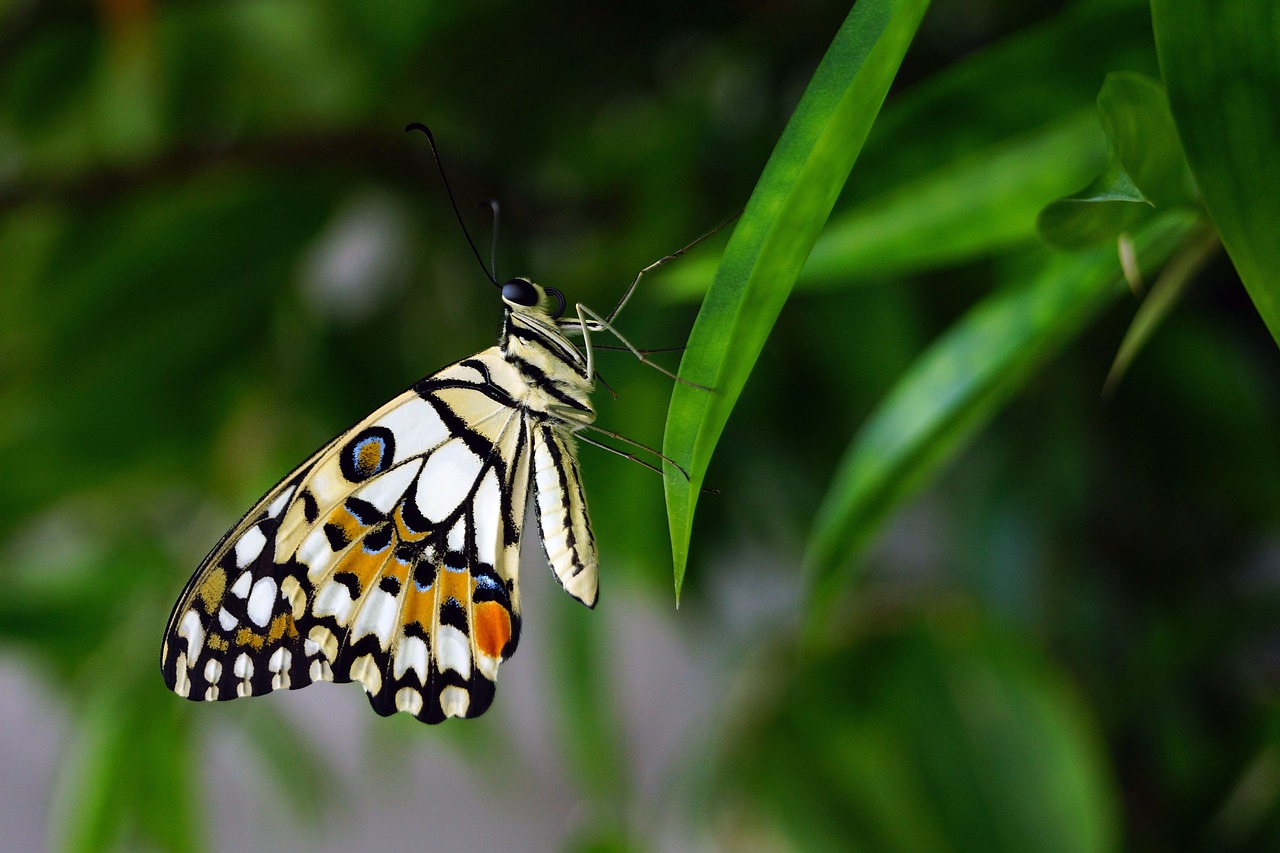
578,425
625,455
596,323
617,309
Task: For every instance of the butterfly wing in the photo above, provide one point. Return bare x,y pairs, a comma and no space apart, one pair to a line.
389,557
561,509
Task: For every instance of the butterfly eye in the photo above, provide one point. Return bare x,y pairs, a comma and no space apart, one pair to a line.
520,292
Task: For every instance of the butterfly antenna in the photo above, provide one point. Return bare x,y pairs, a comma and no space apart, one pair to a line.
492,204
435,152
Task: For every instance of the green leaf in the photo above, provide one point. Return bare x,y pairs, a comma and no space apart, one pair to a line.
1135,115
956,387
980,204
1098,213
782,220
1145,168
1221,68
933,186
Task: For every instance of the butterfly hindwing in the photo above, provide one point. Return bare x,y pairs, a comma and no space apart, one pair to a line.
567,540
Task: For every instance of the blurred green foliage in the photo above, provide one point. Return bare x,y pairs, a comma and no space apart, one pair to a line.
986,607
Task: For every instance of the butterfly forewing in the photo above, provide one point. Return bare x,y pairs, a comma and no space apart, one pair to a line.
389,557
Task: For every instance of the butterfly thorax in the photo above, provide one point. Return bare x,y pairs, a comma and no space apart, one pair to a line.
551,365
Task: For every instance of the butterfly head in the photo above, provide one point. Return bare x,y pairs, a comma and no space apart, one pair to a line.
520,293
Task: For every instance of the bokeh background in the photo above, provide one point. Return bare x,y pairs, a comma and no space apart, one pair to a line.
218,248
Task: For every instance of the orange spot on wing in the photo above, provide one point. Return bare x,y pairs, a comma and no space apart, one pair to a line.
212,588
492,628
281,625
417,608
370,457
365,566
455,585
245,637
350,525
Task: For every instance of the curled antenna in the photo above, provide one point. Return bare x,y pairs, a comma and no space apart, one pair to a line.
551,291
426,131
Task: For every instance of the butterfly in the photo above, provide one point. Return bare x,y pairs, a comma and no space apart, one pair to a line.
390,556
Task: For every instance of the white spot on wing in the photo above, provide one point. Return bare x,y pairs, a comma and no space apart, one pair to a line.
447,476
377,616
416,426
277,505
411,653
315,553
241,587
181,682
280,660
249,546
408,699
191,628
488,666
291,590
261,601
453,650
457,536
365,670
320,670
454,701
213,670
334,599
386,490
325,640
488,508
226,620
243,666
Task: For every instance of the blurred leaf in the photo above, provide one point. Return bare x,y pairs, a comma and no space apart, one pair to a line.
1164,295
310,785
1222,71
585,710
770,243
140,317
128,780
959,165
1145,168
953,390
603,842
978,205
1016,87
1135,115
45,81
1095,214
943,735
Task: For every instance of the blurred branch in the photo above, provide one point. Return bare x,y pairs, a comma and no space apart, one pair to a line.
380,151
